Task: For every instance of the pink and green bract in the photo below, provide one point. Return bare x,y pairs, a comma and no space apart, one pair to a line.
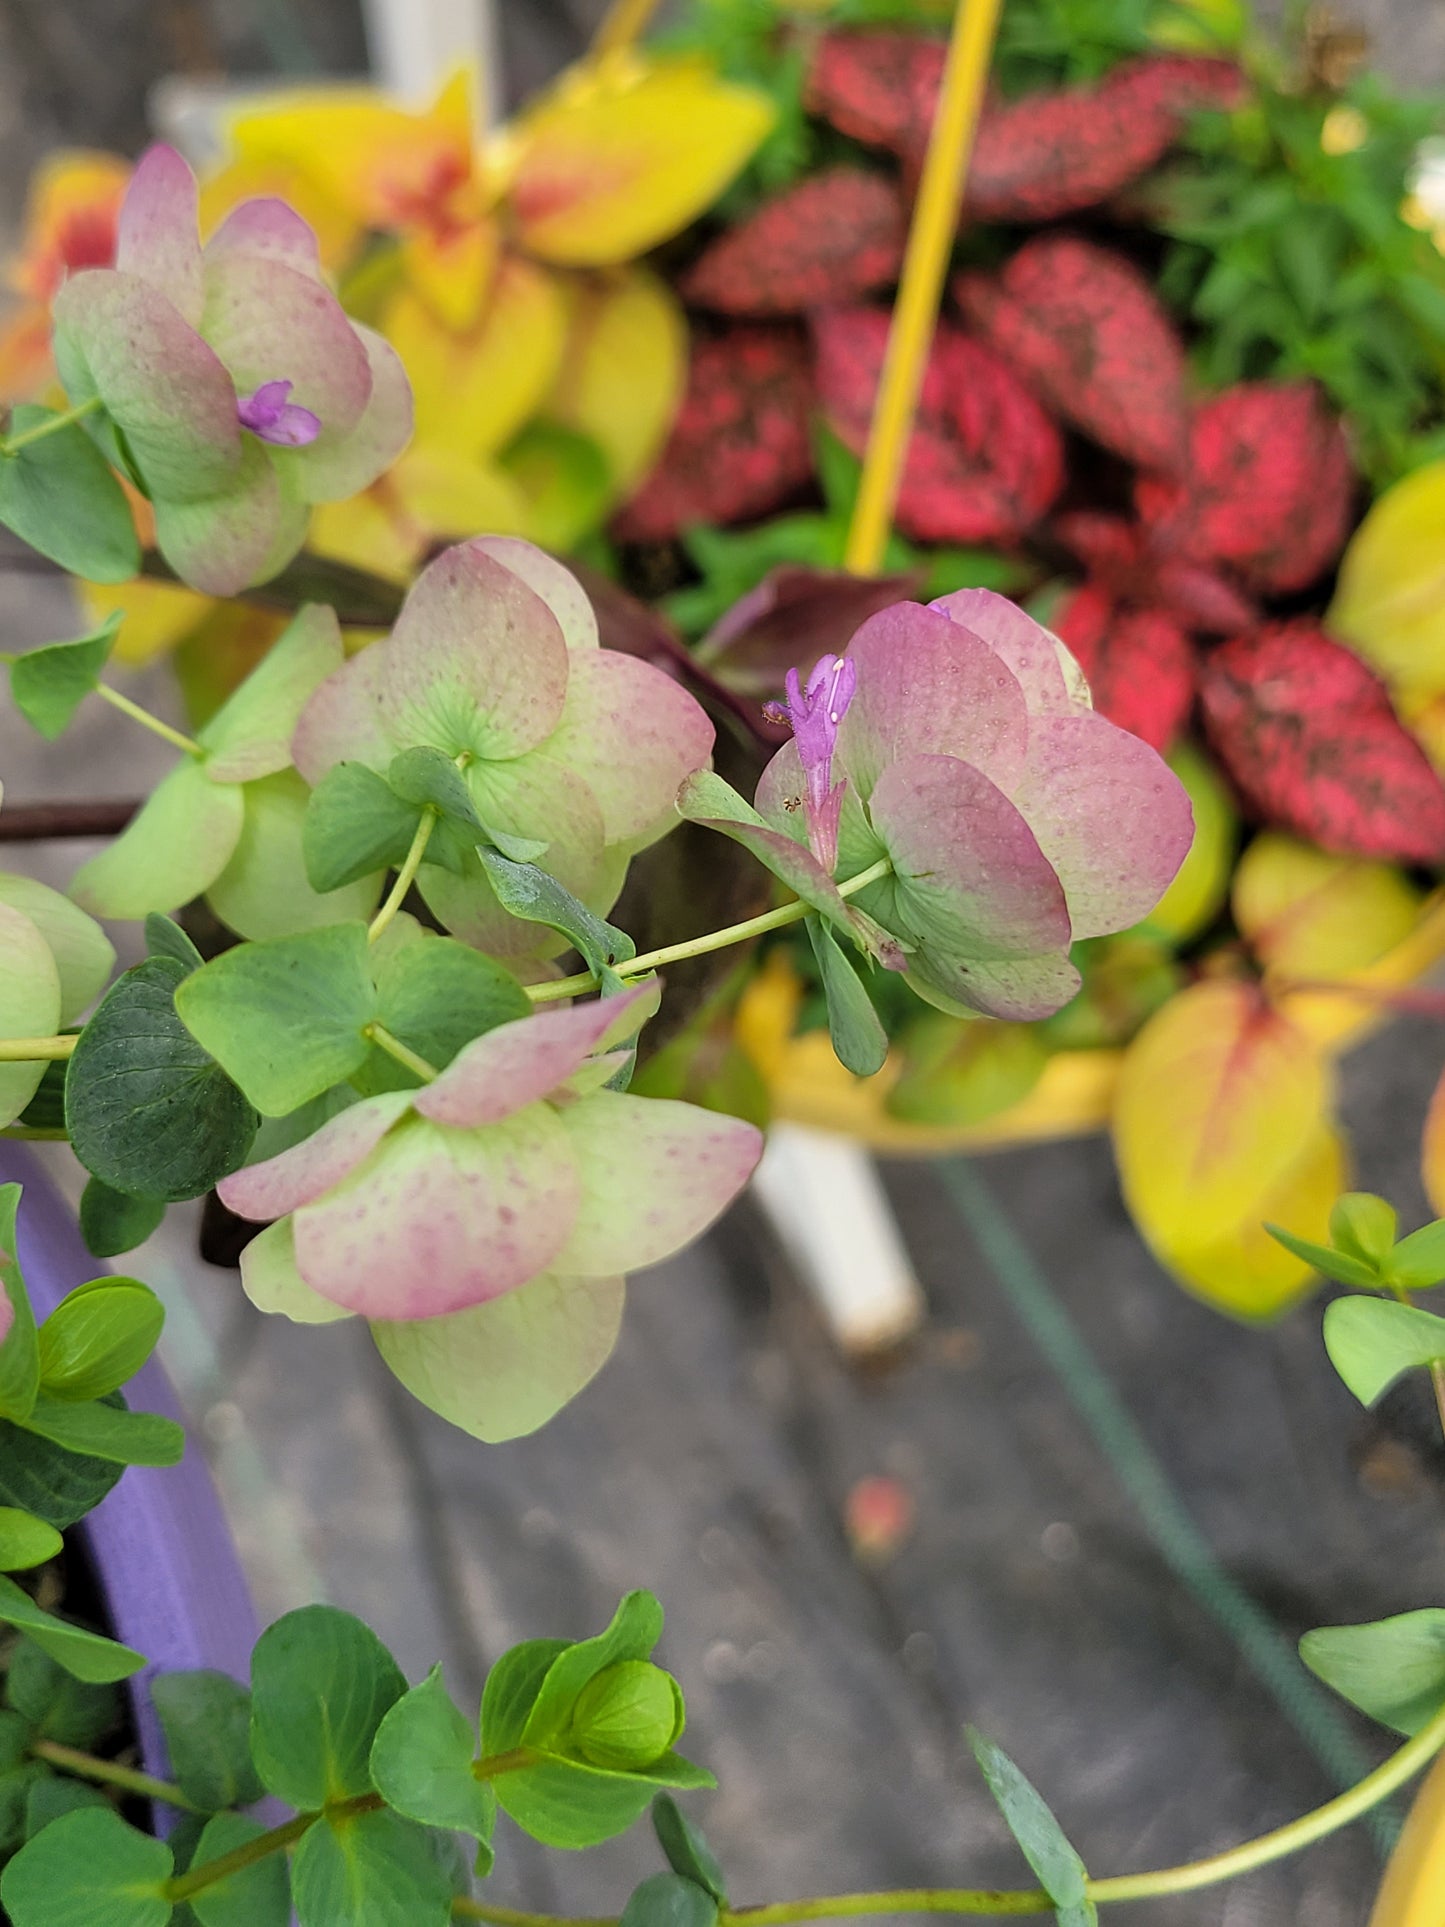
483,1223
1015,819
495,660
235,390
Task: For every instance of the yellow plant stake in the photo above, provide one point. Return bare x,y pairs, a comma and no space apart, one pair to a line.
915,313
623,23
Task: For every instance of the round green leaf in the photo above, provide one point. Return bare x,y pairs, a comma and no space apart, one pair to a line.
84,955
58,1486
98,1337
256,1896
55,1703
25,1541
1392,1669
50,683
321,1684
90,1867
688,1852
377,1868
30,1004
60,496
207,1721
1371,1341
669,1900
111,1222
422,1758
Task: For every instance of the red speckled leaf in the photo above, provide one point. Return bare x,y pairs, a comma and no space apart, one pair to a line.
879,88
1308,736
817,245
1139,664
1051,154
985,461
1124,559
1269,487
1085,328
739,445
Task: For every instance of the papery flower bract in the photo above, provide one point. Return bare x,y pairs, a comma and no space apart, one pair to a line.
495,660
482,1222
1016,819
226,823
173,337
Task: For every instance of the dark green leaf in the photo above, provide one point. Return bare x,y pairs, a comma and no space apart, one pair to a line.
1419,1260
112,1223
20,1350
531,894
85,1654
165,938
421,1762
668,1900
859,1040
25,1541
98,1337
101,1431
1392,1669
56,1704
687,1851
284,1018
355,825
89,1868
50,683
149,1111
321,1683
257,1896
207,1722
46,1110
1371,1341
1060,1871
435,996
58,1486
377,1868
60,496
428,778
1339,1265
52,1796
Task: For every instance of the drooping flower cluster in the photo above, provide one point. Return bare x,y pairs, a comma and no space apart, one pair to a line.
566,746
972,763
484,1222
234,389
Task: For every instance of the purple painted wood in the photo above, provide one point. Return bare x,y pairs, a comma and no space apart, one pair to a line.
167,1566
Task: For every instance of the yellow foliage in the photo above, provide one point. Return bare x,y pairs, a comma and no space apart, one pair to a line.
158,615
70,218
620,156
1196,895
337,230
1432,1151
1390,602
622,372
430,495
1219,1099
1310,915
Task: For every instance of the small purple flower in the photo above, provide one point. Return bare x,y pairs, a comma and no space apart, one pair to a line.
269,414
815,712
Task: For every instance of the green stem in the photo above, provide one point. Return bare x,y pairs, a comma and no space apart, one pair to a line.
239,1858
147,721
779,919
30,1050
35,1134
1388,1778
13,444
393,1046
111,1773
405,876
495,1764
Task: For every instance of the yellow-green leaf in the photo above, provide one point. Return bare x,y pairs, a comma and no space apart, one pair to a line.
1197,894
1310,915
1390,602
622,371
621,156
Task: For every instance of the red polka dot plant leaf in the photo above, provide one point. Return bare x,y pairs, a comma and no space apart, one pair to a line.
1139,664
878,88
1307,735
985,461
820,244
1269,489
1124,558
1051,154
740,445
1085,328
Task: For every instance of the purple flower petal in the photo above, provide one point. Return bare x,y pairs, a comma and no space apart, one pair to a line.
274,419
265,319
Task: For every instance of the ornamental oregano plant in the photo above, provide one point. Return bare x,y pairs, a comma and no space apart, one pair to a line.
408,1064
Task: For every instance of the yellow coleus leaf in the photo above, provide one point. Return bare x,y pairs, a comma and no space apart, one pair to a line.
390,168
1219,1098
1246,1272
1390,602
70,216
1432,1151
474,390
623,371
158,615
1201,884
1310,915
336,227
452,268
621,155
429,496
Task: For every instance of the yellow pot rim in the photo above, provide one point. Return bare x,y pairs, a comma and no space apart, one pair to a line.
1413,1891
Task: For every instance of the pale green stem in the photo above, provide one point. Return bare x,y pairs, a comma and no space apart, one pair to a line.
31,1050
110,1773
147,721
779,919
12,444
1401,1767
403,1053
405,876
